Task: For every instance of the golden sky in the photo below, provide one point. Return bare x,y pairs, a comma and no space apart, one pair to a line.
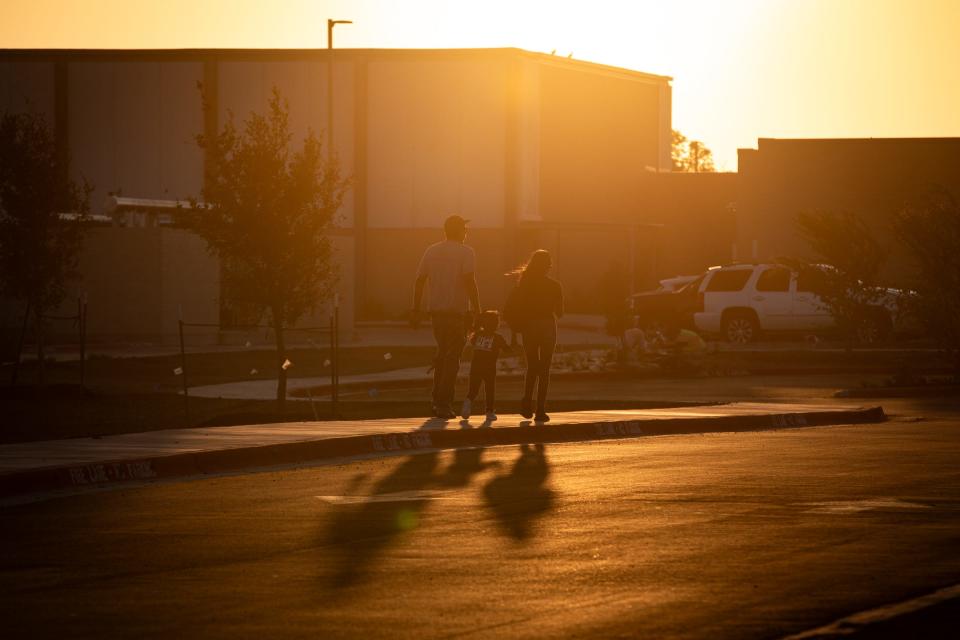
742,69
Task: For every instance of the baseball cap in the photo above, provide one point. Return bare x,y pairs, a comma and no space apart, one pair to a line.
455,222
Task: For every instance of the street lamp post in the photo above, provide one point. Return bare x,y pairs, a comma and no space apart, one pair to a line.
330,25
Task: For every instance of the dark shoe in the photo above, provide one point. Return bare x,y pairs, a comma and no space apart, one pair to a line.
444,413
525,409
542,417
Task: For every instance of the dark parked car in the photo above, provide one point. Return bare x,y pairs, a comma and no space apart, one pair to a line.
661,313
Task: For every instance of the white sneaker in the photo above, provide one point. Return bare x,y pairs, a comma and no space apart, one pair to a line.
491,417
465,409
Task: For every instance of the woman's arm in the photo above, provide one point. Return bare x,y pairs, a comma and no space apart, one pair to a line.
558,309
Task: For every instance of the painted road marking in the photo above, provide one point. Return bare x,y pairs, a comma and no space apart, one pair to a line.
398,496
860,621
857,506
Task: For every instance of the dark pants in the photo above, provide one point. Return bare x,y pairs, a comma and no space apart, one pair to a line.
539,341
487,376
450,332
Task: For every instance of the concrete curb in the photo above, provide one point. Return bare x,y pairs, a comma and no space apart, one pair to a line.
219,461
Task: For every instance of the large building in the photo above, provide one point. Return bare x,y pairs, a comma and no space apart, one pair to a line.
873,177
537,150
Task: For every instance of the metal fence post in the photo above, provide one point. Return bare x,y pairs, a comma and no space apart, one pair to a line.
333,369
183,372
336,351
82,314
23,337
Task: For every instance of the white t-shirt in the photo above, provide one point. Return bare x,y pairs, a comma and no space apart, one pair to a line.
445,263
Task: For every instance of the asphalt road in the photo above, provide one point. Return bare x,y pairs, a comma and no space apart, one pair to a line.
749,535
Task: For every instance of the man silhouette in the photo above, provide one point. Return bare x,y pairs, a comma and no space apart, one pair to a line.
449,267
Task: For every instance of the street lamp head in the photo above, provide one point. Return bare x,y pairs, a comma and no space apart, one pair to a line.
330,25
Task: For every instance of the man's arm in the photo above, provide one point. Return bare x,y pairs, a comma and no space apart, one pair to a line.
417,297
473,293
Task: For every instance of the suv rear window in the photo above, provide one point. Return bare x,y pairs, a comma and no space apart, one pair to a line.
729,280
774,280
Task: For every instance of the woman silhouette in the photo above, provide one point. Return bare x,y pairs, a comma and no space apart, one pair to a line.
541,299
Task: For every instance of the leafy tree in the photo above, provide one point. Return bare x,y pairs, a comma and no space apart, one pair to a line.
265,211
39,247
930,230
700,158
848,284
691,156
678,150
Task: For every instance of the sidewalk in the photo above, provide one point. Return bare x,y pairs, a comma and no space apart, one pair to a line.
385,336
84,462
301,389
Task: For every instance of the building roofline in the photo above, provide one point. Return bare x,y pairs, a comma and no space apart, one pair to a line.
856,140
59,55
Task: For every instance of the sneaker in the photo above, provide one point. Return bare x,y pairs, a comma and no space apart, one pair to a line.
542,417
465,409
525,409
491,417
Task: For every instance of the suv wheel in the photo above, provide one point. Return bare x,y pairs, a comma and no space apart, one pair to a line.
740,328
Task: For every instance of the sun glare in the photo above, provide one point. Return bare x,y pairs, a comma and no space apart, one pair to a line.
742,69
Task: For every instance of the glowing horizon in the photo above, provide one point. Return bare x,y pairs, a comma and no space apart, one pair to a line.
742,69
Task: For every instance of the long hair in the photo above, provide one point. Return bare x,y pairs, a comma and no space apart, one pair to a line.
536,267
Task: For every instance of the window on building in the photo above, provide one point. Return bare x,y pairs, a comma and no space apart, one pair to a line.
729,280
774,280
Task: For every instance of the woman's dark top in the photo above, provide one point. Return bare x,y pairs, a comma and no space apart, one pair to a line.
542,298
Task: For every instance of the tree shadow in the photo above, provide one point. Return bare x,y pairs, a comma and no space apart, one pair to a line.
519,497
359,532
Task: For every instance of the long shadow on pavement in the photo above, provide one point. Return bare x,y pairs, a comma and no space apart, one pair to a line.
360,533
521,496
395,506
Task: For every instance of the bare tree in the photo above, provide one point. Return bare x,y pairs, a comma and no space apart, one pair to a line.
41,215
265,212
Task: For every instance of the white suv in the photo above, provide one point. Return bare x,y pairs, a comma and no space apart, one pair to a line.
740,301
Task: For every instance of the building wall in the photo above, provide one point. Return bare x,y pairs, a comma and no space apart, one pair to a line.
599,134
502,137
693,223
132,128
599,137
436,141
137,280
246,84
28,86
872,177
189,281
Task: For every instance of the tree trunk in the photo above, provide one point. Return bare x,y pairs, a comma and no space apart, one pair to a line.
281,358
